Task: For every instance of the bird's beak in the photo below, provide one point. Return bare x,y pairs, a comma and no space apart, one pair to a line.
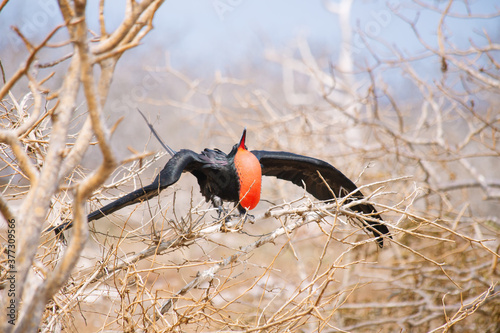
242,140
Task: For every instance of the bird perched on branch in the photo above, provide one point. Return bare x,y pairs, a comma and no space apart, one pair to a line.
236,177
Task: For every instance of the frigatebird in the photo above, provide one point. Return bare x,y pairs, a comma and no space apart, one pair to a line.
236,177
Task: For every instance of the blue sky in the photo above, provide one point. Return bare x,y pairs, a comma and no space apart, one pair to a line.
216,34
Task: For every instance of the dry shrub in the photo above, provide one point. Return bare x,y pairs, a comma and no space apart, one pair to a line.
429,163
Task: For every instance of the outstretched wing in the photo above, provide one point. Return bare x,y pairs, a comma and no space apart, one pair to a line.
303,170
184,160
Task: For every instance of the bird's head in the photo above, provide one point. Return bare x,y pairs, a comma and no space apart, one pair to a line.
241,145
249,174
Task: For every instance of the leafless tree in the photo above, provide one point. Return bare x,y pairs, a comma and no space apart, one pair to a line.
55,155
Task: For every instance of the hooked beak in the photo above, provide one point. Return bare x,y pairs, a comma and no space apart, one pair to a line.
242,140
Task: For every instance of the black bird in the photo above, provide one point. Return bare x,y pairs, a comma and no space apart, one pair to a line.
236,177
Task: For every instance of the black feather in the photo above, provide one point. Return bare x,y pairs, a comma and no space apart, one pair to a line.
303,170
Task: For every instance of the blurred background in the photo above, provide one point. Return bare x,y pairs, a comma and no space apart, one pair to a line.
402,95
255,44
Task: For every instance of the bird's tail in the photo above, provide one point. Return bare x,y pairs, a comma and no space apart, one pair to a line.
167,148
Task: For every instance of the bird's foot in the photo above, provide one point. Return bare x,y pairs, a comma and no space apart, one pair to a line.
232,222
235,222
249,218
221,212
224,218
228,224
242,218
